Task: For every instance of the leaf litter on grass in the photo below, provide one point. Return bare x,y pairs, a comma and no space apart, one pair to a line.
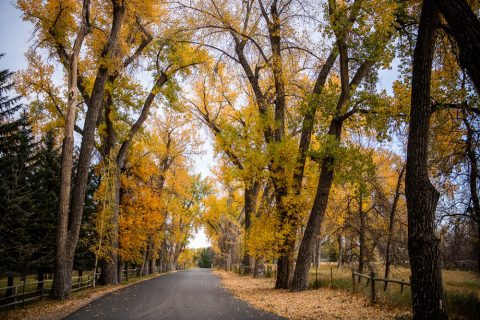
320,303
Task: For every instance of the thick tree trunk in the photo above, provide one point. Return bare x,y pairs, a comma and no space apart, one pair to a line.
426,280
304,260
108,274
68,225
464,25
285,267
110,267
120,270
285,270
62,278
259,270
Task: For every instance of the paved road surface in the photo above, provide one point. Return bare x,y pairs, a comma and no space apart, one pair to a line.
191,294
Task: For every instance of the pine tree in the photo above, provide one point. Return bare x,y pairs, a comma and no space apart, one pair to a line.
17,157
45,185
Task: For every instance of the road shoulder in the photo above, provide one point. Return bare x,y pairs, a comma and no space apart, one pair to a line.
321,303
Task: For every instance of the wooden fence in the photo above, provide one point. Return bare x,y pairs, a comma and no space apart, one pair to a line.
372,279
18,294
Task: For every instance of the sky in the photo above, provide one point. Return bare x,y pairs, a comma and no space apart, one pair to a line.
15,39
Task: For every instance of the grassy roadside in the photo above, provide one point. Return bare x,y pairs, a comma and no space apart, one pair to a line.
52,310
462,289
320,303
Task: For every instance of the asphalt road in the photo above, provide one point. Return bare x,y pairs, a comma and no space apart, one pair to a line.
191,294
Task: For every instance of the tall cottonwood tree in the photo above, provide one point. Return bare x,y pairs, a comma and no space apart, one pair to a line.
343,18
426,282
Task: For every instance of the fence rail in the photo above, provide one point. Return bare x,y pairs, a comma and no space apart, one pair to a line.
372,279
17,294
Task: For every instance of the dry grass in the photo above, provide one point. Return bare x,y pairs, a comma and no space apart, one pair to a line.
53,310
312,304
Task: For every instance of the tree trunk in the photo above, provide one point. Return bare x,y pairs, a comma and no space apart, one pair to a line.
120,269
40,279
285,267
250,195
68,226
142,266
393,209
318,252
362,236
304,260
62,279
259,270
426,280
473,177
110,266
285,270
340,251
463,24
107,275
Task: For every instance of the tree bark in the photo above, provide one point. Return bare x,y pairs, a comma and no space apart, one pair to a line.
422,197
393,209
473,177
340,251
259,270
362,235
68,231
250,198
300,281
62,281
464,25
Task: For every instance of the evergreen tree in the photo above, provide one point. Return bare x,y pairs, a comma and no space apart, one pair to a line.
45,185
17,157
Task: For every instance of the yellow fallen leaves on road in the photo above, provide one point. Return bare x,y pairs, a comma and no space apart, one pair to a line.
321,303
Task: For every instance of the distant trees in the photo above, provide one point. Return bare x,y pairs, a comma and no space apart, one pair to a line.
206,258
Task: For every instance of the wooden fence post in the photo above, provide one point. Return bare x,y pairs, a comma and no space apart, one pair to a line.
80,278
353,281
14,294
331,276
9,291
372,279
41,287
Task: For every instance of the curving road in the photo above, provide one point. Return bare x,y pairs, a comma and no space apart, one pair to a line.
191,294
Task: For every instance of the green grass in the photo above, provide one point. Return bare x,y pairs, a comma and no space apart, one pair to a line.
463,305
470,284
462,289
